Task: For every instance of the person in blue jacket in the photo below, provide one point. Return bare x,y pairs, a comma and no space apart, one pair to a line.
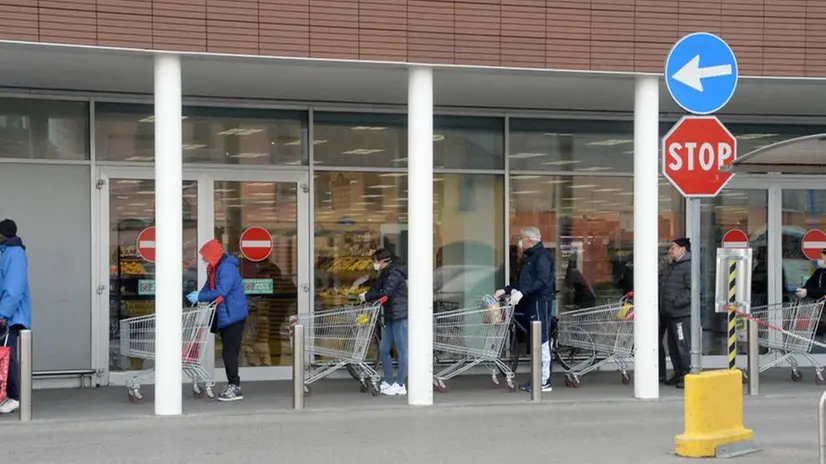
15,305
533,294
225,286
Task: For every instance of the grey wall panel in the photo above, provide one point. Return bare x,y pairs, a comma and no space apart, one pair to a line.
51,205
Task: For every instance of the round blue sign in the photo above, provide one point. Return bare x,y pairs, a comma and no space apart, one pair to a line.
701,73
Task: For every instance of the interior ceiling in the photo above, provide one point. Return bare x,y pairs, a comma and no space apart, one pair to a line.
101,70
800,155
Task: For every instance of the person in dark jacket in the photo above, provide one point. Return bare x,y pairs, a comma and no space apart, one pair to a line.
675,308
15,305
391,284
533,294
225,286
815,287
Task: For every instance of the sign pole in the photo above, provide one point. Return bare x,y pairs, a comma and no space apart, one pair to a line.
696,322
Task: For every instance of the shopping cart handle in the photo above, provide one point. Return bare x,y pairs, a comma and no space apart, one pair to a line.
629,294
382,300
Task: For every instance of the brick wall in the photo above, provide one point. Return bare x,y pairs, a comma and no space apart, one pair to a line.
770,37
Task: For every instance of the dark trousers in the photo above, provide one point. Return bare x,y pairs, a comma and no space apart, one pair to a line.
661,341
13,383
679,344
231,337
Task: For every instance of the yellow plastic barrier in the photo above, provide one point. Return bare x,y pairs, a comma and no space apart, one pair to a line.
713,414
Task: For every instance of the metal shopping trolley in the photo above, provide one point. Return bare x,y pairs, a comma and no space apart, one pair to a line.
137,340
787,330
605,332
476,336
341,337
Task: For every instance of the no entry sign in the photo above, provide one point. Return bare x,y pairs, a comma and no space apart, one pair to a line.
256,244
812,243
694,151
146,244
735,238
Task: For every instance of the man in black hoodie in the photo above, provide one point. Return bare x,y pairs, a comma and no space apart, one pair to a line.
675,308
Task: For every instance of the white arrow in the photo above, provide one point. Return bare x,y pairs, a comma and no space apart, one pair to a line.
691,74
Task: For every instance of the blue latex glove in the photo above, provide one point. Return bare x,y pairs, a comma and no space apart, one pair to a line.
192,298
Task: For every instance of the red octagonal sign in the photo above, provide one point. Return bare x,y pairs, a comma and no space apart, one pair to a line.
694,151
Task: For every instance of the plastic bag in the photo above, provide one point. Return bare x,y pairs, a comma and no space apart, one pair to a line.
5,358
493,315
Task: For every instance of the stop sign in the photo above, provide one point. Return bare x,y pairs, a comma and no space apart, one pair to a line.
146,244
694,150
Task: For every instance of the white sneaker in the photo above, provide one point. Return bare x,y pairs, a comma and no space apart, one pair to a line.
401,390
391,390
9,406
384,387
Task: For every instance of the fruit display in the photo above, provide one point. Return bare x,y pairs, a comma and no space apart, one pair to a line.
132,268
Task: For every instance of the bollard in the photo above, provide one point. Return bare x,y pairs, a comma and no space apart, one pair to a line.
536,361
821,428
24,357
298,367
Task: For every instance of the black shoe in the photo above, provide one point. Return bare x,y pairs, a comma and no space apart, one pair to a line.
663,379
672,381
680,383
231,393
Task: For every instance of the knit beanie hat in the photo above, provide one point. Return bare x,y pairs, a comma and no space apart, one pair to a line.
8,228
684,243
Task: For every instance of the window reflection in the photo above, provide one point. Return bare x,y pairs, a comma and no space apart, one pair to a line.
44,129
210,135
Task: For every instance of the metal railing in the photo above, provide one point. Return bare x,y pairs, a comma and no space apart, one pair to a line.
298,367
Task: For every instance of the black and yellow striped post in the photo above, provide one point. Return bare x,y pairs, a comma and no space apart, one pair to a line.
732,319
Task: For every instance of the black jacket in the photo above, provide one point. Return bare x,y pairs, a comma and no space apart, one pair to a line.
392,283
675,288
536,278
816,285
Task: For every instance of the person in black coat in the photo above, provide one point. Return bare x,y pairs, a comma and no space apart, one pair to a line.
533,294
675,308
391,284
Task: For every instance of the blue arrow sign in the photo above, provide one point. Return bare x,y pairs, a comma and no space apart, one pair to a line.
701,73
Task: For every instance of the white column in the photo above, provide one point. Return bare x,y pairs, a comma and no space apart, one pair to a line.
646,222
420,236
169,235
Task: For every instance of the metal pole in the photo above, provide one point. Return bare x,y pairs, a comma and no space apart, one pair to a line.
536,361
696,322
298,367
753,354
25,361
821,428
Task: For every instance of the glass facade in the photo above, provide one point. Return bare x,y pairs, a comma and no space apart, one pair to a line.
44,129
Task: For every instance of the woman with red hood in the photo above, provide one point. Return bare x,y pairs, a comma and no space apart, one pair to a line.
225,287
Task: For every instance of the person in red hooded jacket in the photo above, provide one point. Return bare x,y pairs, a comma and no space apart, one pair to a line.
225,286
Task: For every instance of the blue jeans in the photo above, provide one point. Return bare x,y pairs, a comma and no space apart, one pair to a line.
394,331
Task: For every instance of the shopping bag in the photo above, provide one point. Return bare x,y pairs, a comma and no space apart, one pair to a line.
493,315
5,358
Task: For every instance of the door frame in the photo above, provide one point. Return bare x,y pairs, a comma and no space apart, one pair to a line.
205,177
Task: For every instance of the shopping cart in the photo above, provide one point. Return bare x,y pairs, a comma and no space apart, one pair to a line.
605,332
341,337
787,330
475,336
137,340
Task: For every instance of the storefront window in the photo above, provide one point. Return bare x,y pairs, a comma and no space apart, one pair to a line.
270,281
132,260
571,145
210,135
746,210
44,129
356,213
380,140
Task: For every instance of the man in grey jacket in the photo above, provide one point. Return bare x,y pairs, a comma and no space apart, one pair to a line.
675,308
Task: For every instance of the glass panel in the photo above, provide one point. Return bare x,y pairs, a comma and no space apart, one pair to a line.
271,284
44,129
210,135
571,145
131,276
746,210
802,210
380,140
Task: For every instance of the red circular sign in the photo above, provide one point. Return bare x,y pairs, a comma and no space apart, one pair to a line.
812,243
735,238
256,244
694,150
146,244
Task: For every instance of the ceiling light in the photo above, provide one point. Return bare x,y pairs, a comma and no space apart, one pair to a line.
193,146
262,194
595,169
294,163
556,181
319,142
527,192
224,190
240,132
610,142
145,192
136,204
140,158
525,177
626,194
393,174
369,128
560,163
526,155
609,190
249,155
129,181
399,160
579,186
382,186
291,143
438,137
557,134
754,136
152,118
362,151
372,196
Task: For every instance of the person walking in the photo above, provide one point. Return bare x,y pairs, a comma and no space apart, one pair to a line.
225,287
533,294
391,284
675,309
15,305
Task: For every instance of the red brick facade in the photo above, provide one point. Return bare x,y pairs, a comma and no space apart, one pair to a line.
770,37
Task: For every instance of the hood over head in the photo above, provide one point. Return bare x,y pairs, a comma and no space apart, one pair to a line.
212,252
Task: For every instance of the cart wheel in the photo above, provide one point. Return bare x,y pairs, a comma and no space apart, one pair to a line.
494,380
363,387
135,396
197,392
374,390
568,382
511,385
797,376
307,390
439,386
210,393
575,382
626,379
819,378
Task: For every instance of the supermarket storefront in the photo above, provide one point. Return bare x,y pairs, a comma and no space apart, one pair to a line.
316,154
